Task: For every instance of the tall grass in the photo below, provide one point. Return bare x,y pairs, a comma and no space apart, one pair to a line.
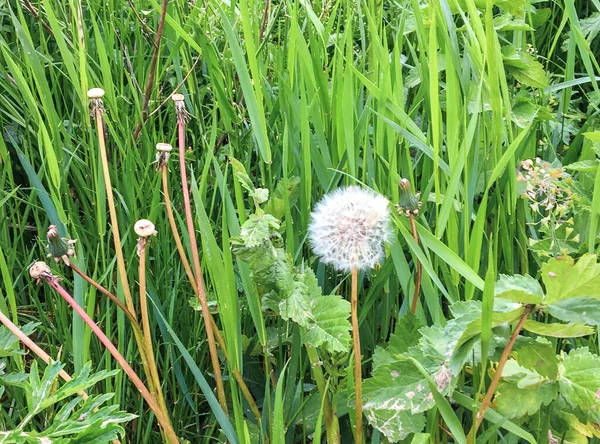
331,92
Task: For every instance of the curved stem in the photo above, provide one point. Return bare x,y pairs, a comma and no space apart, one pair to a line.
160,416
357,360
188,271
198,272
113,213
415,300
105,292
496,379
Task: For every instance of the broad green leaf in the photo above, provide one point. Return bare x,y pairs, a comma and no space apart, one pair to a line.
330,327
536,354
581,310
517,288
580,382
257,229
558,330
394,399
405,336
564,278
585,166
524,68
285,191
514,402
506,22
8,341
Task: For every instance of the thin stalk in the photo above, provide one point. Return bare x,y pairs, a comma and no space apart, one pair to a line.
160,416
36,349
112,211
415,300
332,425
197,270
496,379
146,327
106,293
357,360
186,265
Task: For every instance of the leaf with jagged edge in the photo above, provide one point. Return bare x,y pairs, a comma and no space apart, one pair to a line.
524,67
517,288
257,229
330,327
8,340
558,330
394,399
277,201
580,310
564,278
580,382
513,401
536,354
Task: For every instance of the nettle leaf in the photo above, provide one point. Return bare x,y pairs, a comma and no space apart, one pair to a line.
524,68
536,354
405,336
257,229
330,327
394,399
558,330
580,382
521,289
564,278
582,310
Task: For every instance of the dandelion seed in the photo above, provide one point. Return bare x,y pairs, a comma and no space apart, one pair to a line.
349,227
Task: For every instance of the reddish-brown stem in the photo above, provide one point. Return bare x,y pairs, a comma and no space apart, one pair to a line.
150,81
357,357
197,270
34,12
415,299
104,291
186,265
496,379
36,349
160,416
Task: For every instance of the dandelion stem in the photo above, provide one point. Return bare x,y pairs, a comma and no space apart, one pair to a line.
415,300
496,379
160,416
146,328
36,349
186,265
105,292
357,360
112,211
197,270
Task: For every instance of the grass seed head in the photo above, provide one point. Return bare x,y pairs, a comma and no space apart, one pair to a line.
349,227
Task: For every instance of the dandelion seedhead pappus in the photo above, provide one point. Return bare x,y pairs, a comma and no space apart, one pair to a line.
163,152
349,227
95,95
182,115
144,229
59,247
40,270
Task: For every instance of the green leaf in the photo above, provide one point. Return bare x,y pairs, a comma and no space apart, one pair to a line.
8,341
521,289
537,355
394,399
524,68
581,310
566,279
285,191
330,327
585,166
580,382
513,401
506,22
558,330
474,327
257,229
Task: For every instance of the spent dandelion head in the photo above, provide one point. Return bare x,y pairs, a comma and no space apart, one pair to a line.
408,202
95,95
163,152
182,115
40,270
144,229
59,247
348,228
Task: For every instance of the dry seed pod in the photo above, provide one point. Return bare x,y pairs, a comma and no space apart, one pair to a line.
182,115
163,152
40,270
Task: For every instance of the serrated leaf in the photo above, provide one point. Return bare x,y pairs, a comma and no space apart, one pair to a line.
512,401
536,354
277,202
585,166
580,382
257,229
582,310
405,336
506,22
564,278
330,327
394,399
558,330
521,289
525,68
8,341
474,327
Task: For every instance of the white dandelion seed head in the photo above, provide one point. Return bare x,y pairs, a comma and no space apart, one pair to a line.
348,228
